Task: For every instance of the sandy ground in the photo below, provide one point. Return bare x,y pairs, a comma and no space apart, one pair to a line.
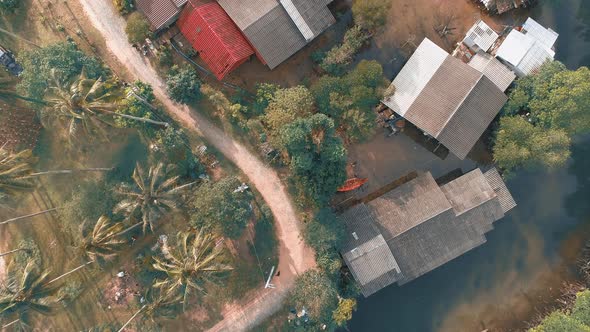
294,256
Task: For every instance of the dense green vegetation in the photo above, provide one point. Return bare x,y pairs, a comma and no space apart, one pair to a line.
103,211
544,113
138,28
183,85
124,6
577,319
62,61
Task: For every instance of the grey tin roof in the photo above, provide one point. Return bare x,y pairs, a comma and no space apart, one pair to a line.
273,31
472,117
366,253
452,101
409,205
495,180
423,225
160,13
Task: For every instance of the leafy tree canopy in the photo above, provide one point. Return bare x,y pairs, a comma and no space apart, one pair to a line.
521,144
315,292
183,85
325,232
350,99
138,28
64,58
137,107
9,5
343,312
555,98
560,322
287,105
218,208
316,156
581,309
370,14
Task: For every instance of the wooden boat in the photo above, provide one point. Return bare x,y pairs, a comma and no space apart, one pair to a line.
352,184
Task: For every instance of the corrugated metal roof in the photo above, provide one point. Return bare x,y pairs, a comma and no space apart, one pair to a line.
472,117
442,96
526,51
547,37
495,180
480,37
214,35
424,226
277,30
409,205
160,13
445,98
514,47
246,13
414,76
493,69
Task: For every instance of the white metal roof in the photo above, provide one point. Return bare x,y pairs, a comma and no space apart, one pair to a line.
515,47
545,36
480,36
414,76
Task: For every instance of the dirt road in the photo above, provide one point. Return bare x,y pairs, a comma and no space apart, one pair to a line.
294,256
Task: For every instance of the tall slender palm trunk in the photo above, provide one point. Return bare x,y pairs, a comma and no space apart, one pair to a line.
159,123
132,317
10,324
27,216
70,272
11,252
69,171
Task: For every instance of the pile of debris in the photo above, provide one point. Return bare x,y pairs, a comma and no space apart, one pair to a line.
502,6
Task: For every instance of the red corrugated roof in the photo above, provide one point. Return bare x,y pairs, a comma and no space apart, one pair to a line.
214,35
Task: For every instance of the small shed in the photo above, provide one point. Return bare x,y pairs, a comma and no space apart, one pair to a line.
480,37
214,35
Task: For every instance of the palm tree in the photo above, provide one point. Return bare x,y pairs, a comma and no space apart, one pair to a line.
157,304
150,196
30,292
86,102
14,169
99,245
197,260
103,242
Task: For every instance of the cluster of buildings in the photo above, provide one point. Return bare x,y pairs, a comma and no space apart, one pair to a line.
424,223
226,33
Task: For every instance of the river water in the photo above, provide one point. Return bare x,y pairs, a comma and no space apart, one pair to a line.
530,251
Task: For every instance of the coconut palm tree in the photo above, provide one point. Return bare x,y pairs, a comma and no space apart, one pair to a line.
14,169
87,102
158,304
197,260
150,196
29,292
101,244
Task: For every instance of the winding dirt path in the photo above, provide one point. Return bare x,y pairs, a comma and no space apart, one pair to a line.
294,256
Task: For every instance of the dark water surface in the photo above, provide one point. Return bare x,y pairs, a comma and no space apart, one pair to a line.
528,253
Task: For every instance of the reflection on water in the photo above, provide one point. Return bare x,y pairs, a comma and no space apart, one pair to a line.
530,251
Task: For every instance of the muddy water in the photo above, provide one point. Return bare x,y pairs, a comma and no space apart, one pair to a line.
530,252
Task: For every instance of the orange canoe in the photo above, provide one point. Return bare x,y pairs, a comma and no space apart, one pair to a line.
352,184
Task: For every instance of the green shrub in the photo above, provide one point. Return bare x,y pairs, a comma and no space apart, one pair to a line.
138,28
124,6
183,85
